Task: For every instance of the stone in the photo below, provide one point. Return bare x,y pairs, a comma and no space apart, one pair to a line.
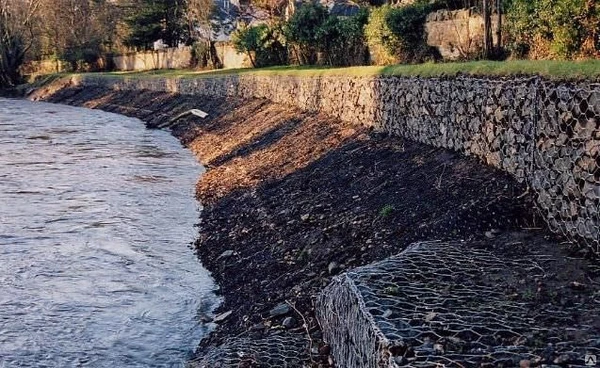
280,310
289,322
333,268
227,254
221,317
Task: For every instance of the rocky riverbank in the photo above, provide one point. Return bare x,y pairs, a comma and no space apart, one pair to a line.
292,199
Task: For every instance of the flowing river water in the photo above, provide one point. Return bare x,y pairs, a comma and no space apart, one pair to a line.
97,215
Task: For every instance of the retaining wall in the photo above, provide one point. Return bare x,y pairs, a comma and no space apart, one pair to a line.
543,132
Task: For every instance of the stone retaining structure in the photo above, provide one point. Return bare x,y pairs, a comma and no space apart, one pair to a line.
545,133
434,306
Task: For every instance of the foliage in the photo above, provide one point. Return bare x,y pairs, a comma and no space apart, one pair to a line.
302,31
198,14
16,21
386,210
341,41
263,44
157,19
382,42
82,58
201,57
398,34
553,29
318,37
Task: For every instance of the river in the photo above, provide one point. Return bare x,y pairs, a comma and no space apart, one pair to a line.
97,216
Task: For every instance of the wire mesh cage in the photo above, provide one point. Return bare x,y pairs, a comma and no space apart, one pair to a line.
444,304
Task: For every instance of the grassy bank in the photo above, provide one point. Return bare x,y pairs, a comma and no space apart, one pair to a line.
589,69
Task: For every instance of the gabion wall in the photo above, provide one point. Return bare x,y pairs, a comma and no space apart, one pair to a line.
444,305
542,132
277,351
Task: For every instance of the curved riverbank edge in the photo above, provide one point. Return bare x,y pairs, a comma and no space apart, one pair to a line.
294,197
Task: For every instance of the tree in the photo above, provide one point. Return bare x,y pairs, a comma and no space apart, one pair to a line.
302,31
16,37
249,40
158,20
198,14
262,44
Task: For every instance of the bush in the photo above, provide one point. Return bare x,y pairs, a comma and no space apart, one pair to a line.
398,34
382,42
302,31
341,41
201,54
204,55
83,58
553,29
263,44
407,24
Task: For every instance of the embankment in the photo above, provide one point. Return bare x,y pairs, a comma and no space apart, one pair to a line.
297,192
544,133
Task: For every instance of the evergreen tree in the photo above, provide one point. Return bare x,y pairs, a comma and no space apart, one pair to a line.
157,19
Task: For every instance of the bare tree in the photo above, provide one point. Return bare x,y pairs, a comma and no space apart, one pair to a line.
16,36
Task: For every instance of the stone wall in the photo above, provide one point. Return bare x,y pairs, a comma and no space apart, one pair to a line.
457,34
542,132
171,58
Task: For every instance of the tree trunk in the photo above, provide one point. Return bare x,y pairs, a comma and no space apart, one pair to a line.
499,27
487,30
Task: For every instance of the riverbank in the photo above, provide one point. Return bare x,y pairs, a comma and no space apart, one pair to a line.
293,198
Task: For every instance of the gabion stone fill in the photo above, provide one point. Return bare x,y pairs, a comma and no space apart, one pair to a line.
444,304
277,351
566,174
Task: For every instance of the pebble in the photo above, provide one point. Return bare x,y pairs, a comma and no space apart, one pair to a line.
524,363
324,350
258,327
400,360
333,268
280,310
289,322
227,254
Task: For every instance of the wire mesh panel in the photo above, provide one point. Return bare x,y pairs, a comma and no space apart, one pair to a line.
567,161
444,304
277,351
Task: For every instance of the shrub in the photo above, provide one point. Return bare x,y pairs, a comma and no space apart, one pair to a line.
201,54
398,34
553,29
408,26
382,42
302,31
341,41
263,44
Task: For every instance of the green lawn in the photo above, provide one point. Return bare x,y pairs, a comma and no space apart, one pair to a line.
589,69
